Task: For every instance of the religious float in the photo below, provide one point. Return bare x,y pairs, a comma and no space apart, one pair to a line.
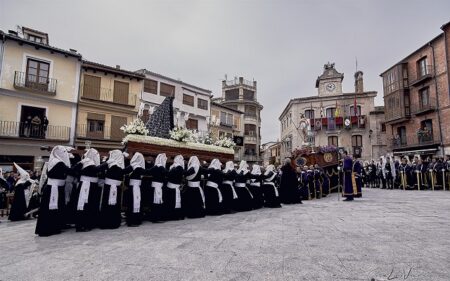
160,135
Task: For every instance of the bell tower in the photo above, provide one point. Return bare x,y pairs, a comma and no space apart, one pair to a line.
330,82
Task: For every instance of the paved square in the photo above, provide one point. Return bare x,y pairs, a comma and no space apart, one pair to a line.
387,235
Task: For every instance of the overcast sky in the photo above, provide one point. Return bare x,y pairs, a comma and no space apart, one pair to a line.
281,44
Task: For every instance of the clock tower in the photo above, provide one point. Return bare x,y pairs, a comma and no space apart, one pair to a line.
330,82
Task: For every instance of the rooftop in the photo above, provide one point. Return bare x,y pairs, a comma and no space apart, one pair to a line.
226,107
115,70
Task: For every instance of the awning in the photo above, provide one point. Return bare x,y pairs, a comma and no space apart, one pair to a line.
417,151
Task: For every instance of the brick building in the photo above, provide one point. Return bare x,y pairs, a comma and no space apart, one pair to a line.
416,97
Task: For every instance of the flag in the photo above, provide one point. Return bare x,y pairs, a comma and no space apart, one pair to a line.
336,111
355,108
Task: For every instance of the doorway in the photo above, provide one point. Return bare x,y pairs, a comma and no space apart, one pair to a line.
32,122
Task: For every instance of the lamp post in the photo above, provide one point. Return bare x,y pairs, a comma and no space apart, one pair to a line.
371,146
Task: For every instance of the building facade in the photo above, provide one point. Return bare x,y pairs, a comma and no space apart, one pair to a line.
191,104
271,153
241,94
333,117
109,99
416,98
39,88
226,122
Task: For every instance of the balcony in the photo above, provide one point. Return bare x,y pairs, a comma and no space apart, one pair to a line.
108,95
251,157
225,124
423,75
239,81
253,118
38,84
87,131
414,141
250,139
424,106
12,129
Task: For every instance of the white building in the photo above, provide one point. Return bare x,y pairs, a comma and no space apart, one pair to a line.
191,103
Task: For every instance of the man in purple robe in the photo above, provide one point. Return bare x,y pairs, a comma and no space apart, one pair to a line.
348,185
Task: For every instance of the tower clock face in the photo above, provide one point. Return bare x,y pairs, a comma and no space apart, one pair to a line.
330,87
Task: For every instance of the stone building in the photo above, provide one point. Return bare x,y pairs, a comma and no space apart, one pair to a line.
332,117
241,94
39,87
271,154
416,98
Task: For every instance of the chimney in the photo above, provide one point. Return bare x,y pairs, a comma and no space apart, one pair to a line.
117,66
359,84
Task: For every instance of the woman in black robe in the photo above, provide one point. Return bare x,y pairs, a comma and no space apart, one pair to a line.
255,186
110,214
229,194
270,191
193,196
86,201
133,197
158,173
245,197
19,204
50,219
289,186
172,191
213,195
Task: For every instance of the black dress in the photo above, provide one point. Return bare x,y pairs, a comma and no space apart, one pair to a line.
289,185
87,218
245,197
19,205
213,195
110,214
134,218
270,191
193,204
50,222
256,190
229,195
158,174
174,180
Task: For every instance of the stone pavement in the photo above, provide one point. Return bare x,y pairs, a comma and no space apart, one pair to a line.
387,235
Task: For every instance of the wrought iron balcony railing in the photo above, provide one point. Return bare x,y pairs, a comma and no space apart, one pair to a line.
35,83
12,129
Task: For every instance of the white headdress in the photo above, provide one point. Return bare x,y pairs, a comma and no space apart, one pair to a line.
256,169
59,154
177,161
161,160
269,169
24,176
91,158
137,161
116,159
193,163
229,166
243,167
215,164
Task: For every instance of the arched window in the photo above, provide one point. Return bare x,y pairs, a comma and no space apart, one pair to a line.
309,114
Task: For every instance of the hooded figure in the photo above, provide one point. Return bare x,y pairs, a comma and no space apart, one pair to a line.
158,173
270,190
19,204
213,195
133,193
290,193
52,208
88,193
245,197
194,197
172,192
384,171
227,188
110,212
255,186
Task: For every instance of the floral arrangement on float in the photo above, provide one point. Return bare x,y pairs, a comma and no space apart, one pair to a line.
179,138
136,127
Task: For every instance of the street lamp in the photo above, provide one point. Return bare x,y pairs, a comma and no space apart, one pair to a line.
371,146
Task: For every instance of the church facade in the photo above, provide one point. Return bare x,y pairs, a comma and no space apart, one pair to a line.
334,117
